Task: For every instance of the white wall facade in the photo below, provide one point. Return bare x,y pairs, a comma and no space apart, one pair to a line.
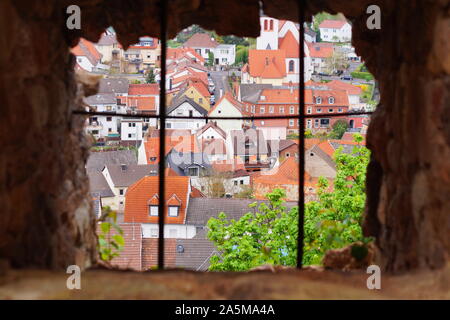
131,130
343,34
178,231
185,109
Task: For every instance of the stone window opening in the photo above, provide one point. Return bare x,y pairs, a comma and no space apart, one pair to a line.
395,261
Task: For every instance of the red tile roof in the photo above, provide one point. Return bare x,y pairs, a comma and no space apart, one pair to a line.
141,103
87,49
139,195
200,40
332,24
267,63
341,85
143,89
320,49
185,144
290,45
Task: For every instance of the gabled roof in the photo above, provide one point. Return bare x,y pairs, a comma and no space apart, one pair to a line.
202,209
184,144
195,254
113,85
290,45
320,49
191,102
229,97
140,193
200,40
98,160
101,98
332,24
143,89
98,184
250,92
87,49
126,175
213,125
267,63
140,103
341,85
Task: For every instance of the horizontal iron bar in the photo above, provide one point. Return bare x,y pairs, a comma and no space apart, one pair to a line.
150,116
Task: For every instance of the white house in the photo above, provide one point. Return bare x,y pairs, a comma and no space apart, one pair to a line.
227,106
131,129
186,107
99,125
335,31
203,44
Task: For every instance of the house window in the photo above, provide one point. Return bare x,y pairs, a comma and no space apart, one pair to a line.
154,211
291,66
193,172
173,211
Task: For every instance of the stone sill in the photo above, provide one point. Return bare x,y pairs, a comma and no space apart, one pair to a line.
285,284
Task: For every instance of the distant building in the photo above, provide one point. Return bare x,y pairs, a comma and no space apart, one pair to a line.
335,31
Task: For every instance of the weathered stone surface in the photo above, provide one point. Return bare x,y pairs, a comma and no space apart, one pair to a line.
45,219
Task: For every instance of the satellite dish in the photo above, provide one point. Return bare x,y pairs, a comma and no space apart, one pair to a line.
180,248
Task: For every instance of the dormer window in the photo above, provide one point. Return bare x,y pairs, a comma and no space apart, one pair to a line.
331,100
318,100
173,211
153,210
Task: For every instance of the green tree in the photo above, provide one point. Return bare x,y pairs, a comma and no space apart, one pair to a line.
338,129
268,234
109,245
210,58
150,76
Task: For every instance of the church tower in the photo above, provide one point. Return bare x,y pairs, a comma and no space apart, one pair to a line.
268,39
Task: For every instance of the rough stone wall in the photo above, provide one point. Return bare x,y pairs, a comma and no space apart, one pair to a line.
45,220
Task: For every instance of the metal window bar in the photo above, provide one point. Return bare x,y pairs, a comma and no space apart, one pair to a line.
162,117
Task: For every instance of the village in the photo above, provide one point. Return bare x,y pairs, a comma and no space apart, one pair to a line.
215,166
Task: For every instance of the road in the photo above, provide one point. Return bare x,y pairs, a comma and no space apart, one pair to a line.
220,81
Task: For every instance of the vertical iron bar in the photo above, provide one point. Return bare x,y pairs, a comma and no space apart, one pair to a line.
301,145
162,133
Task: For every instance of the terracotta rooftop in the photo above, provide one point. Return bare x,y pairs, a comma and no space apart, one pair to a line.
200,40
